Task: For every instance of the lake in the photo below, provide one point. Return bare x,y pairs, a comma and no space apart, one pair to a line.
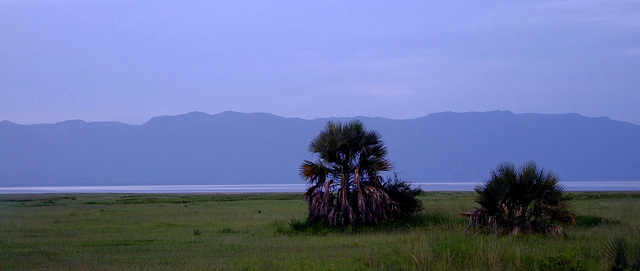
267,188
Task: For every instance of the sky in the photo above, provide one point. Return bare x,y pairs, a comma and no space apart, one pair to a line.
127,61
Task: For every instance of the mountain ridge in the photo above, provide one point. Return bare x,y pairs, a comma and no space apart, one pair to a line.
245,148
223,113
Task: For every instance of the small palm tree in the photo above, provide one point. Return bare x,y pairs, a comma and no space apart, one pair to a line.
521,201
344,185
620,255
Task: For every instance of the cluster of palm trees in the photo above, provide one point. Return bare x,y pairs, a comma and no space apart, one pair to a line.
345,188
344,182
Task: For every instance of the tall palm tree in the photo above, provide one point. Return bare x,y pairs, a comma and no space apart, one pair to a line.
344,185
521,201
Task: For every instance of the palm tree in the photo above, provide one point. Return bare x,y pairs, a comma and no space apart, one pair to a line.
521,201
344,185
621,255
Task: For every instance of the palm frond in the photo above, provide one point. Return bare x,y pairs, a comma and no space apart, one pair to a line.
617,251
314,171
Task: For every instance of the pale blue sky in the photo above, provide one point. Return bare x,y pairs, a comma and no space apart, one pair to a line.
128,60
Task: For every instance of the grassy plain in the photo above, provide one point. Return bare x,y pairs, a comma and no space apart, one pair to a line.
252,232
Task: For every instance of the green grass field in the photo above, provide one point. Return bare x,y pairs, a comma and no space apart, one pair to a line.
252,232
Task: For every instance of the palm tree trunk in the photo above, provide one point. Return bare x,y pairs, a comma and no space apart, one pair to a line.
347,210
361,200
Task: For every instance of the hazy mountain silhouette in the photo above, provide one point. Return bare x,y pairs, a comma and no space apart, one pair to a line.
239,148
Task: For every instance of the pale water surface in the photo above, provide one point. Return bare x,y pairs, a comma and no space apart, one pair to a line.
297,188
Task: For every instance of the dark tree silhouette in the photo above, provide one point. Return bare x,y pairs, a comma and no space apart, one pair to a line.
344,185
521,201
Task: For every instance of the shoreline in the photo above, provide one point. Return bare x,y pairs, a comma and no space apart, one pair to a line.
622,186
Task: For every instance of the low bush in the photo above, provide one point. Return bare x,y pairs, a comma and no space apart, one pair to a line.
404,195
590,221
562,262
621,256
521,200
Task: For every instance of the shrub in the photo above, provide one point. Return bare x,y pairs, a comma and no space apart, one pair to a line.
227,230
521,201
618,252
298,226
401,193
562,262
590,221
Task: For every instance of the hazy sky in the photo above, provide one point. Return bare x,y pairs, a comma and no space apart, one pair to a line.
130,60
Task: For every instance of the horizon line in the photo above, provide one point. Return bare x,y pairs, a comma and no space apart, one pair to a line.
307,119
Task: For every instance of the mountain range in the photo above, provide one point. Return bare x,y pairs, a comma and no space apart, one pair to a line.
260,148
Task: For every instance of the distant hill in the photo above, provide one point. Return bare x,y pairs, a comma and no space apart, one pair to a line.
240,148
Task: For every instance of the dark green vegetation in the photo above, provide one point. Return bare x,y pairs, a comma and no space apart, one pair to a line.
621,256
253,232
524,200
344,185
